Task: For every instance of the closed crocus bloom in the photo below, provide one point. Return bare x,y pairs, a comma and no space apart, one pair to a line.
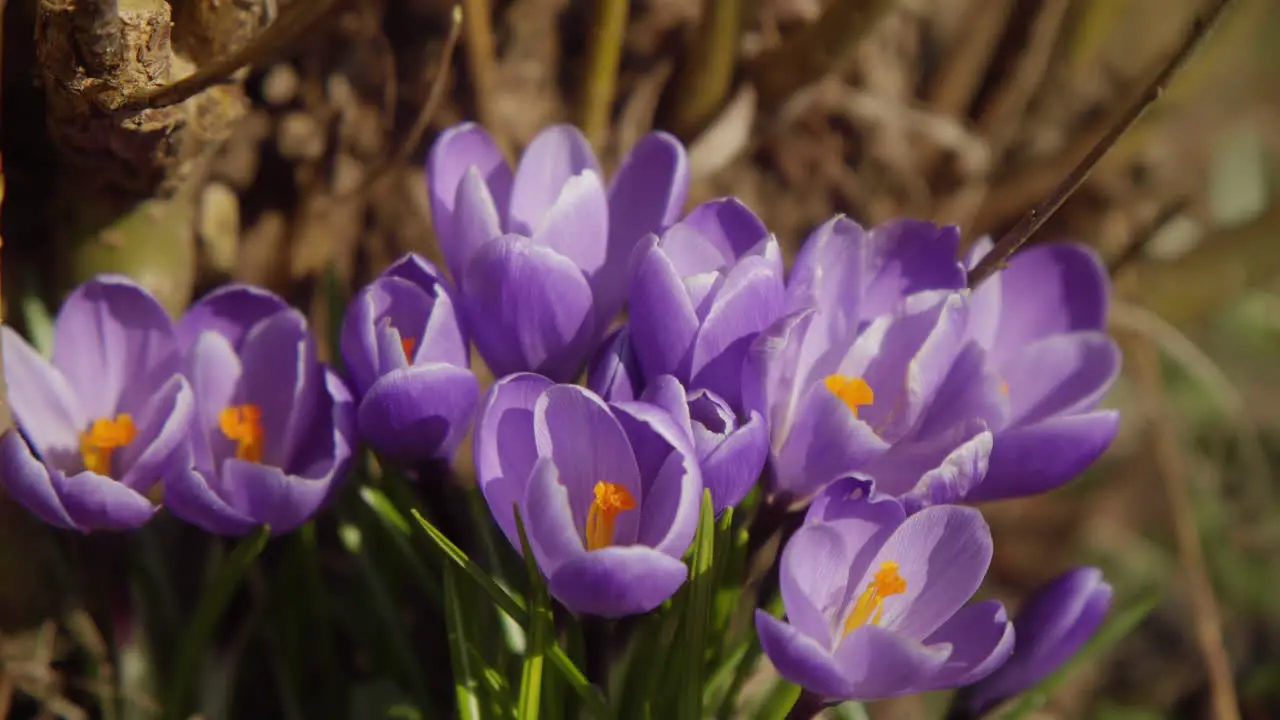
870,336
1042,323
103,422
701,293
274,427
731,454
409,364
613,373
875,600
609,492
1051,626
540,256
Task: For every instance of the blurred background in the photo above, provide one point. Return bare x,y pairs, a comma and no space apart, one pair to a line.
300,166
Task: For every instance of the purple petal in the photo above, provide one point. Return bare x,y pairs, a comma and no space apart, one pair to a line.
668,473
189,496
529,309
981,639
733,466
111,341
270,496
574,428
214,370
1038,458
864,518
972,392
164,426
388,306
647,194
1051,627
880,663
418,270
667,393
504,445
613,373
27,481
662,320
825,442
830,273
548,519
714,236
910,256
419,412
229,311
96,502
1050,289
986,300
456,151
617,581
943,554
476,221
750,301
813,576
935,470
558,153
770,371
43,404
444,339
284,379
1062,374
577,224
800,659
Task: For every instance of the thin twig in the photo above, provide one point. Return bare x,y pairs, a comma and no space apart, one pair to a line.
607,35
482,65
1170,466
1032,221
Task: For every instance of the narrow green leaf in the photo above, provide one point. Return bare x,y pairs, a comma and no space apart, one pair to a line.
195,641
851,711
1112,631
398,530
778,703
698,610
530,702
464,675
577,680
39,323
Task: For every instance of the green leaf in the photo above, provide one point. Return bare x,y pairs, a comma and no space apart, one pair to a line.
1112,631
464,673
702,581
398,530
530,702
589,693
195,641
778,703
39,323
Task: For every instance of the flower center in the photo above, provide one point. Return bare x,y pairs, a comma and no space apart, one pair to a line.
870,604
855,392
408,344
243,424
610,501
102,438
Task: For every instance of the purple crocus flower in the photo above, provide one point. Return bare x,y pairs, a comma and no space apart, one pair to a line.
608,492
613,373
106,419
274,427
1042,323
409,364
875,600
701,293
540,256
1051,626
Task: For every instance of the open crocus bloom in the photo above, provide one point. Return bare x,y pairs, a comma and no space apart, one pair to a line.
409,364
540,256
274,427
106,420
701,293
1042,324
1051,626
608,493
876,603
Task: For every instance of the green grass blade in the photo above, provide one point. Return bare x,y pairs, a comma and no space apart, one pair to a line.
465,682
698,610
400,533
195,641
530,702
1111,632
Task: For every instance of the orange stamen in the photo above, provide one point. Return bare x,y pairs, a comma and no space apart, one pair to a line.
1004,387
102,438
870,605
855,392
408,345
243,424
610,501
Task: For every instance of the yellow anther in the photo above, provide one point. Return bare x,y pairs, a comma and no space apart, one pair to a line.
102,438
243,424
870,604
855,392
610,501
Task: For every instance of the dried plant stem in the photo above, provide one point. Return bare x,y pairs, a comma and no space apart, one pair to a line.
700,91
99,33
1170,465
482,64
1031,222
607,35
